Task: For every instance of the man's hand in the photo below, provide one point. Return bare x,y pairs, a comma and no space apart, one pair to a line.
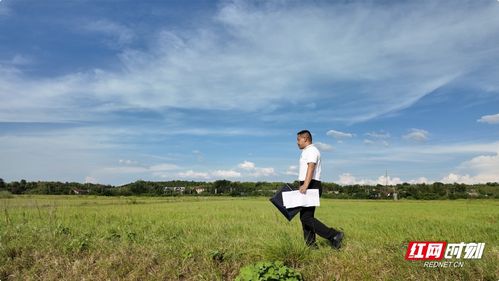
303,189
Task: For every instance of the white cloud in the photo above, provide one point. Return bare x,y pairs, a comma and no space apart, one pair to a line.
346,179
163,167
247,165
67,155
376,142
338,134
90,180
124,170
377,138
263,172
490,119
455,178
154,169
420,180
292,170
121,35
349,179
193,175
324,146
226,174
249,170
253,171
417,135
479,169
127,162
460,148
378,135
20,60
4,10
217,132
252,46
240,61
199,155
133,170
388,180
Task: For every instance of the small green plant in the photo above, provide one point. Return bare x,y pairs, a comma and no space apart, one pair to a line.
131,235
186,254
218,256
62,230
113,234
78,245
268,271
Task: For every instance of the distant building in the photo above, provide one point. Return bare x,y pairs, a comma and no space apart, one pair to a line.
199,189
180,189
80,191
473,193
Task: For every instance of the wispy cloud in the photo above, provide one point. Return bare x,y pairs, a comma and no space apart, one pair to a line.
18,60
349,179
247,165
263,172
339,135
127,162
490,119
292,171
4,10
246,66
255,171
324,146
378,135
119,34
377,138
223,174
246,170
190,174
417,135
403,63
162,171
376,142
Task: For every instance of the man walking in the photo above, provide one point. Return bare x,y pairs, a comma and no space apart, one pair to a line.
309,177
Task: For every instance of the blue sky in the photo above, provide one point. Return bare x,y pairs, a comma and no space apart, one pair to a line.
116,91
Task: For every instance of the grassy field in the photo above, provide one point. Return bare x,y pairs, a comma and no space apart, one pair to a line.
196,238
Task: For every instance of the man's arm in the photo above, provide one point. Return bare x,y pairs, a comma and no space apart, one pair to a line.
308,178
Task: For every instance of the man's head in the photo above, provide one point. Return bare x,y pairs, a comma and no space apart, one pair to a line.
303,138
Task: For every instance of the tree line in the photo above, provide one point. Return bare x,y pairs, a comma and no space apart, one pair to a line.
424,191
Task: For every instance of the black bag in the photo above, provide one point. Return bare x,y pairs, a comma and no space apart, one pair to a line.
277,201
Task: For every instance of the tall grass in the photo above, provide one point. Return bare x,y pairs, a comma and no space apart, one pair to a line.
136,238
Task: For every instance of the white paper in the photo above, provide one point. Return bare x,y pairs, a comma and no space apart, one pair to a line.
295,198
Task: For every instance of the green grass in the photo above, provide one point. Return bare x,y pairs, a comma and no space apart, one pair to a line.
196,238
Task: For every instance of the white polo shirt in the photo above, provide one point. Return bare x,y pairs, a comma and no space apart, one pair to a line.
310,154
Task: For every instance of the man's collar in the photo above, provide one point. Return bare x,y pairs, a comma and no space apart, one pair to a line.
308,146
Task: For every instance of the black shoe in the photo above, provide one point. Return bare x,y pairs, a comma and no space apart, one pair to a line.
336,240
313,246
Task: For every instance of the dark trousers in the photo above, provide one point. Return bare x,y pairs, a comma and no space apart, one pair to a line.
312,226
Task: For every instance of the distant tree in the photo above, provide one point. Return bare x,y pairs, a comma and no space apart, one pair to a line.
222,186
138,187
15,187
2,184
22,185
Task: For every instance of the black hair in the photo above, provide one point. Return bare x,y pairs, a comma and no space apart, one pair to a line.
305,133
